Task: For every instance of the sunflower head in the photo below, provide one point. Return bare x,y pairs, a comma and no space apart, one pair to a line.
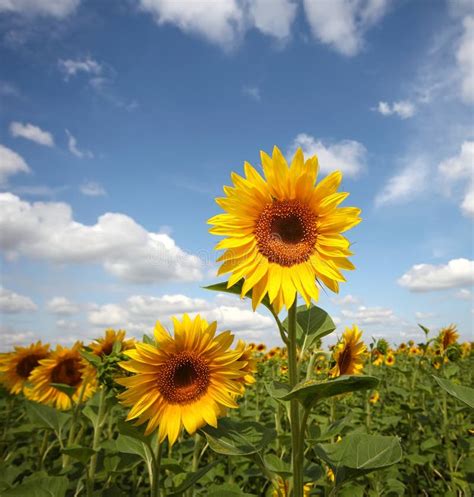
261,347
103,346
16,366
284,230
402,347
63,366
349,353
187,380
448,336
248,356
390,359
374,397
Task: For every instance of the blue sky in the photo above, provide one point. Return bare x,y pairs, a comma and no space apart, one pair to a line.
121,121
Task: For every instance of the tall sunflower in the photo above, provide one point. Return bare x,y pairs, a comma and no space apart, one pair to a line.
104,345
349,353
16,366
448,336
183,381
65,366
283,233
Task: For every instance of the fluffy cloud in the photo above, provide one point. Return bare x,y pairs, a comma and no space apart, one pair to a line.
62,306
53,8
369,315
252,92
13,303
465,59
347,300
11,337
224,22
460,169
402,108
74,149
47,231
349,156
428,277
464,294
92,189
11,163
342,24
72,67
33,133
404,185
140,312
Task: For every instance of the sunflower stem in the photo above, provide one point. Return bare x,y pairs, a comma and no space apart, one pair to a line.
297,451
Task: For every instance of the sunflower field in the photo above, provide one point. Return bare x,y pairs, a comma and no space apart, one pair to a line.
189,411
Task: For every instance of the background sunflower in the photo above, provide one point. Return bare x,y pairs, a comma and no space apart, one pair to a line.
349,353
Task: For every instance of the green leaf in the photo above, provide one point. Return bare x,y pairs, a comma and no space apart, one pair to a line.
238,438
94,359
276,465
62,387
82,454
191,479
460,392
49,486
358,454
236,289
425,329
128,429
333,429
227,490
148,340
130,445
47,417
312,324
277,390
310,392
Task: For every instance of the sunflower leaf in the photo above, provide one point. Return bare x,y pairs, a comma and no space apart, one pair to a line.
191,479
236,289
67,389
238,438
47,417
38,486
311,392
460,392
358,454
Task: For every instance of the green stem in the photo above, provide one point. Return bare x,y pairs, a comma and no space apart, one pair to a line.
309,371
297,451
447,441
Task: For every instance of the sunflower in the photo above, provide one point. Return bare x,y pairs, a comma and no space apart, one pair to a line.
414,350
188,380
65,366
16,366
251,363
448,336
284,489
402,347
104,346
283,233
374,397
349,353
390,359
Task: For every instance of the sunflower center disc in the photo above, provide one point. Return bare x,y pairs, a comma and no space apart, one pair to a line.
286,232
67,372
27,364
184,378
345,360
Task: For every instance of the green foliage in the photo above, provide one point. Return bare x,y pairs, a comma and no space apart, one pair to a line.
464,394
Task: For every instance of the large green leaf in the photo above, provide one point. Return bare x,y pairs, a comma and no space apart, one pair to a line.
358,454
82,454
310,392
130,445
460,392
312,324
48,486
191,479
238,438
47,417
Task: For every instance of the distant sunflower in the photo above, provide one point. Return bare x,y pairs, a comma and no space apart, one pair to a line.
104,345
261,347
349,353
65,366
284,232
448,336
374,397
183,381
390,359
248,357
402,347
16,366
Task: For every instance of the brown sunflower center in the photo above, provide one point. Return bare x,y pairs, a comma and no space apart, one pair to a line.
345,360
106,348
184,378
286,232
67,372
26,365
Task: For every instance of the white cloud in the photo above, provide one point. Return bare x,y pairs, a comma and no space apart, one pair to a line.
464,294
343,23
47,231
11,163
33,133
465,59
424,315
62,306
405,185
224,22
13,303
369,315
72,67
460,169
402,108
29,8
349,156
428,277
92,189
347,300
252,92
139,313
74,149
11,337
